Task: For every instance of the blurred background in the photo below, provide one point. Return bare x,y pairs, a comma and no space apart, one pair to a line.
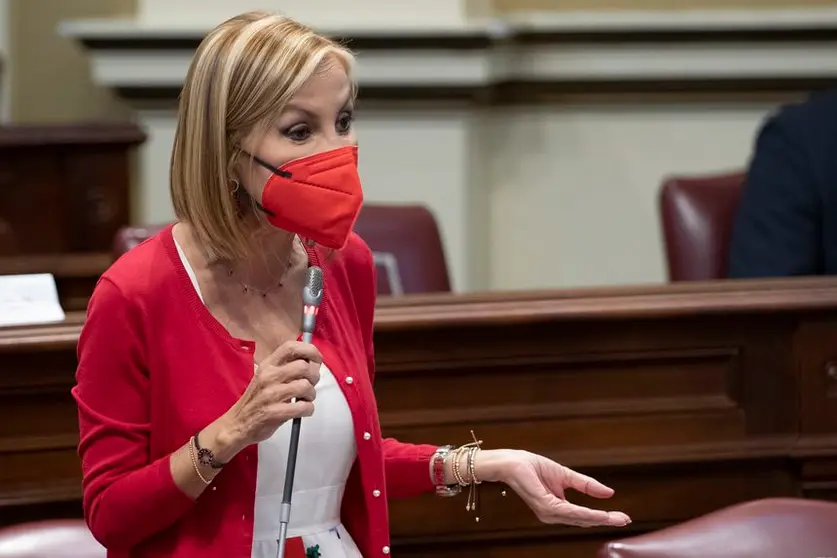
505,145
534,130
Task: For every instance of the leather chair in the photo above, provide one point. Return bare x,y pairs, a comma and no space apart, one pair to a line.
65,538
404,239
697,215
770,528
131,237
407,248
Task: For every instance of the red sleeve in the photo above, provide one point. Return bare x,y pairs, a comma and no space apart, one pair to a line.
407,466
127,496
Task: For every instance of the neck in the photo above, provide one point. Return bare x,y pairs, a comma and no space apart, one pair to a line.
271,251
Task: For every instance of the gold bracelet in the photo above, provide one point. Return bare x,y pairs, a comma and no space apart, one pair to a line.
470,449
456,466
195,461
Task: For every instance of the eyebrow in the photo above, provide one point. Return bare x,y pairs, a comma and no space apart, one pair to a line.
291,107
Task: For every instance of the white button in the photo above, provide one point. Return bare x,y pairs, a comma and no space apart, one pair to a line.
349,379
376,493
367,436
214,488
385,550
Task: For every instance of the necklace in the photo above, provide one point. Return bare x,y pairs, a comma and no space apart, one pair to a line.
247,289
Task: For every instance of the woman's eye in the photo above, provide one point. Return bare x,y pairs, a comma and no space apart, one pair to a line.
344,123
298,133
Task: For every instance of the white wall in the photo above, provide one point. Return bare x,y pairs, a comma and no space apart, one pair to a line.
575,188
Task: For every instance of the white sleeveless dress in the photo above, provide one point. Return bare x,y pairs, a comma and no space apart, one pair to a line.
326,454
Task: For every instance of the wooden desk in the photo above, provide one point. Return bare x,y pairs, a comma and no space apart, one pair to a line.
685,398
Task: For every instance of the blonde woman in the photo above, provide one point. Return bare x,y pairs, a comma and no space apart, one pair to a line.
190,368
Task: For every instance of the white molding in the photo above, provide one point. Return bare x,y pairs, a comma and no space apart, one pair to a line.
558,22
674,20
501,60
118,28
649,61
167,68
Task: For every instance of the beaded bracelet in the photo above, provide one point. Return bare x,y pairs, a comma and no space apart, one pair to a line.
195,461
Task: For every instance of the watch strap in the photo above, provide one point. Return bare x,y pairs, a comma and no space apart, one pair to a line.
437,472
205,455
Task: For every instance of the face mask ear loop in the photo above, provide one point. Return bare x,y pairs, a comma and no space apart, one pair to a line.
268,166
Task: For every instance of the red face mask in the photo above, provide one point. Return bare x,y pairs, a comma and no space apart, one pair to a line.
317,197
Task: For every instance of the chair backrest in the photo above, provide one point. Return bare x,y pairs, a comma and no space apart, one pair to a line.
697,215
769,528
407,248
404,239
64,538
131,237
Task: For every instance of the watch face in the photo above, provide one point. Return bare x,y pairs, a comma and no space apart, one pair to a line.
205,457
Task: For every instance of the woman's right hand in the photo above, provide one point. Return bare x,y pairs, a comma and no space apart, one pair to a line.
290,372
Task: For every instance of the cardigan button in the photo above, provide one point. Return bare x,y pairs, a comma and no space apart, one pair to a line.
349,380
367,436
385,550
376,493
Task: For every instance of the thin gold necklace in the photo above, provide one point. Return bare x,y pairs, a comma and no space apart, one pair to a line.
249,289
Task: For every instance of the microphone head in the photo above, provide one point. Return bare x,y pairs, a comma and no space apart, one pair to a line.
312,293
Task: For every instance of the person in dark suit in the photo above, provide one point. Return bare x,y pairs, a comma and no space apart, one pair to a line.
786,224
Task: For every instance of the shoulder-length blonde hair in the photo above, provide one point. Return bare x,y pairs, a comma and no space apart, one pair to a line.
242,75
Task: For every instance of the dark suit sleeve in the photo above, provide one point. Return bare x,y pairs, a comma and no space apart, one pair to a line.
777,227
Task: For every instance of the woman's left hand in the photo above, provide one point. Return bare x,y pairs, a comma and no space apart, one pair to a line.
541,483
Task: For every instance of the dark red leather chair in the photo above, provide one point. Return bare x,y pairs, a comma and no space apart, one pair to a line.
404,239
130,237
65,538
770,528
697,215
407,248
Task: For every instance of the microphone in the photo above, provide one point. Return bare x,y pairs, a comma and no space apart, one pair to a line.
312,295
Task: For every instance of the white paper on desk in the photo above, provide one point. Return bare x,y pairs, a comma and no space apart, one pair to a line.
29,299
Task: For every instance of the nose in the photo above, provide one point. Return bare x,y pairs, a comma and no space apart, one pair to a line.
336,141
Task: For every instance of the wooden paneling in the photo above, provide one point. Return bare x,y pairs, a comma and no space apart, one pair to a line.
64,192
685,398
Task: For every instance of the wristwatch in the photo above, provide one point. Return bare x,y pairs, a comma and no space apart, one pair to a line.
437,473
205,455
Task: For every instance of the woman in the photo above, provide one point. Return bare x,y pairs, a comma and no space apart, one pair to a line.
189,364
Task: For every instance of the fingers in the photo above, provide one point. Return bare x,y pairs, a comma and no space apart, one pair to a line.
564,512
300,389
291,351
586,485
283,412
290,371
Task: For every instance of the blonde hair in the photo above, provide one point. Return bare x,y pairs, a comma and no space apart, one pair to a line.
242,75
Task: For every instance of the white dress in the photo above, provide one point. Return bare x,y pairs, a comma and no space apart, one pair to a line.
326,454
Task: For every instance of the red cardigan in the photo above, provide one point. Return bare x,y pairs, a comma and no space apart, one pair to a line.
155,367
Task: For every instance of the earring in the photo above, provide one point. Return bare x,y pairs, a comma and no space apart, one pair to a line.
236,186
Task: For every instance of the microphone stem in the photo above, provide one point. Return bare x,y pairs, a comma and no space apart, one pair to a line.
290,470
